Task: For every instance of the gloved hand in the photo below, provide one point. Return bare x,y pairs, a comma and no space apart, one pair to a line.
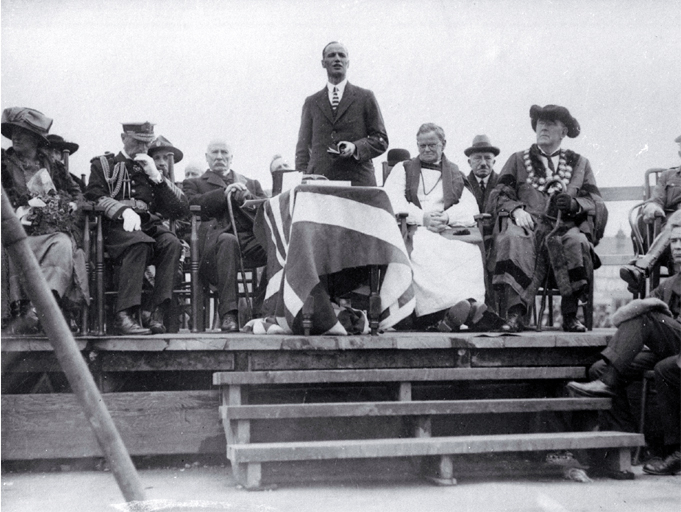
131,221
149,167
566,204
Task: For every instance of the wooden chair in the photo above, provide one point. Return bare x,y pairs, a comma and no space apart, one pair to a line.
546,292
643,235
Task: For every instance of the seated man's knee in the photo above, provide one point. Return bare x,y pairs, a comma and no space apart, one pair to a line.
227,241
597,369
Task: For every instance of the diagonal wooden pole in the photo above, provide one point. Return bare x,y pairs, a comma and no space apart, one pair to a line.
70,358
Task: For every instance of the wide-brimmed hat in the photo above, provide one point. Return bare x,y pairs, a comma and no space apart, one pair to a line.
553,113
481,144
27,118
57,142
678,139
162,143
397,155
143,132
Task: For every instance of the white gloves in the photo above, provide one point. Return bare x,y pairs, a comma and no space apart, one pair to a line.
149,167
131,221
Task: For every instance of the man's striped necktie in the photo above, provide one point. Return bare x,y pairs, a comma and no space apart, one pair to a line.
335,100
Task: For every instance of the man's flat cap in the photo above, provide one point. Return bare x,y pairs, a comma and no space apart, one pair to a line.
143,132
555,113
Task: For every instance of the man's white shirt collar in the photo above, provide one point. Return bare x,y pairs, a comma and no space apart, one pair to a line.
341,89
545,158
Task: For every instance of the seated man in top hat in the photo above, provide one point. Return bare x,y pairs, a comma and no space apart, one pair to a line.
219,248
58,145
133,193
538,188
665,202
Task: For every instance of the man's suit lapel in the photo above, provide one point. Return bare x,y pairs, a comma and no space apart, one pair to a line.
322,101
214,179
347,99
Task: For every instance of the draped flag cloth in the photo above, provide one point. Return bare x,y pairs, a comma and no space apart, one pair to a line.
313,231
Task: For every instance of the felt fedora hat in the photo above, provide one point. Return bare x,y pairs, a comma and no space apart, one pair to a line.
553,113
57,142
162,143
481,144
27,118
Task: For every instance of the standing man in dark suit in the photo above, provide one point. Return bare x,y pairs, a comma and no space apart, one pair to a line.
342,128
218,247
135,195
482,178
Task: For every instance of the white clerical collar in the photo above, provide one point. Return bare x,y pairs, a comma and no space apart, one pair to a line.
340,87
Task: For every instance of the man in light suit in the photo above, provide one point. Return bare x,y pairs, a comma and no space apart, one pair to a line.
341,128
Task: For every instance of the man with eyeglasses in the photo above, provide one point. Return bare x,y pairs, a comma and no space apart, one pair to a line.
133,192
341,128
546,190
448,273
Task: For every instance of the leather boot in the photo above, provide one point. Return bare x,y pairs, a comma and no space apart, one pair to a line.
229,322
126,324
153,320
24,318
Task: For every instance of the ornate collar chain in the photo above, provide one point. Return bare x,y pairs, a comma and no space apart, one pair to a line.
538,174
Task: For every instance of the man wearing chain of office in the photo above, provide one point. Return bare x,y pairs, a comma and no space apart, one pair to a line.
556,216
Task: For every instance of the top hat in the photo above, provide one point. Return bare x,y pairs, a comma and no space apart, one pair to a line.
397,155
553,113
481,144
27,118
162,143
143,132
57,142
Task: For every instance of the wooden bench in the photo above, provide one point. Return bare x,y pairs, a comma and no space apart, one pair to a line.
247,457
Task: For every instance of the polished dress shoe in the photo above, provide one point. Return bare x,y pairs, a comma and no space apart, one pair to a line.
125,324
669,466
634,277
229,323
593,389
154,320
571,324
514,323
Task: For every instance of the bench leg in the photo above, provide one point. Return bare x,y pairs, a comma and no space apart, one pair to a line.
249,476
613,462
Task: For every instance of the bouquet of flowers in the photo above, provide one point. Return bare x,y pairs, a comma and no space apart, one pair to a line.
47,212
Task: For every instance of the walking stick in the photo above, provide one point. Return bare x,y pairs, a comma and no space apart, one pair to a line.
249,306
70,359
555,250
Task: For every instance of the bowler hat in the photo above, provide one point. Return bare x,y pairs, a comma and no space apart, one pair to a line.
162,143
397,155
553,113
57,142
143,132
481,144
27,118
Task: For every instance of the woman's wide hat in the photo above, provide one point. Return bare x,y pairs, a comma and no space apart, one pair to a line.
57,142
27,118
162,143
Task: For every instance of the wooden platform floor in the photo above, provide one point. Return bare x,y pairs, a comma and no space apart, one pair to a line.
160,393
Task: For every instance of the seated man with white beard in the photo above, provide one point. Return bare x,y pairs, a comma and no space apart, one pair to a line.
432,191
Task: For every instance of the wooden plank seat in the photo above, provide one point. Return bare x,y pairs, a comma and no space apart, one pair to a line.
414,408
247,457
